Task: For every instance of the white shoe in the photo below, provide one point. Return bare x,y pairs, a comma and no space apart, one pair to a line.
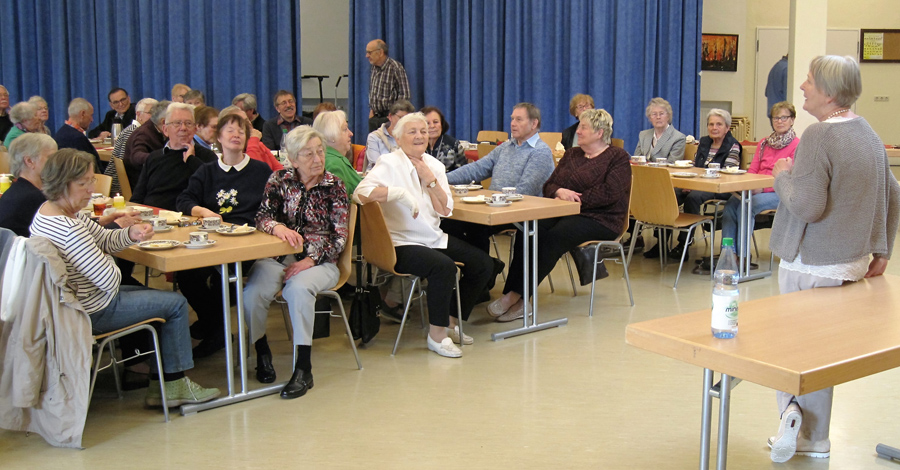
784,444
816,450
453,333
495,308
445,348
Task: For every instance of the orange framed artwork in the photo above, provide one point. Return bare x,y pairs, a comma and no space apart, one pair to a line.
719,52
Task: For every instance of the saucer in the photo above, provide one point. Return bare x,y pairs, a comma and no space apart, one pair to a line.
499,204
167,228
474,187
152,245
514,197
732,172
208,244
684,174
235,230
709,176
209,229
474,199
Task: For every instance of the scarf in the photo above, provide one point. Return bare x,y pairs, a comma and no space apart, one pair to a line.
778,142
76,126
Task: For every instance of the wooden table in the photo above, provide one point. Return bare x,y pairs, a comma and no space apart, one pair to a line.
104,150
726,183
525,215
227,250
797,343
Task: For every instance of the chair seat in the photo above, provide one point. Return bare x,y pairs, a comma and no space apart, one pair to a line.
686,220
110,333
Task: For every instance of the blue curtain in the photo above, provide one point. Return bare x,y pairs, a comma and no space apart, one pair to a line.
476,59
62,49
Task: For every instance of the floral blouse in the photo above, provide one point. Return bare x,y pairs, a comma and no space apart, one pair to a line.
319,214
449,152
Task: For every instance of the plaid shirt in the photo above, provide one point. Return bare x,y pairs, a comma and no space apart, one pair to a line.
319,214
387,85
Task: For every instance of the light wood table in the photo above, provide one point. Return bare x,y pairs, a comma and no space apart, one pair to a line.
104,150
525,215
725,183
229,249
796,343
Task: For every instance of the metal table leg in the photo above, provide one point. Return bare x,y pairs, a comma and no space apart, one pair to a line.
705,418
746,235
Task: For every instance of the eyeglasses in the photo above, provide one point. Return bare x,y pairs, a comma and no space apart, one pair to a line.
85,184
309,153
584,106
662,114
285,102
118,102
368,52
781,118
178,124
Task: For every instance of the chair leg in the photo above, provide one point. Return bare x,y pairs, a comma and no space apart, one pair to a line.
571,276
405,314
637,230
755,246
627,279
687,243
287,321
550,280
337,297
459,318
497,252
159,369
115,368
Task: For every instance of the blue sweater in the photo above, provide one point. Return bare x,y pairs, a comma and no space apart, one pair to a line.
67,137
525,166
235,195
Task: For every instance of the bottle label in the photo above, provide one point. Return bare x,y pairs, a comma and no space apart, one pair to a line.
724,312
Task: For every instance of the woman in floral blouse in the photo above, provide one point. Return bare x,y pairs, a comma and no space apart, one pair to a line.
231,189
307,207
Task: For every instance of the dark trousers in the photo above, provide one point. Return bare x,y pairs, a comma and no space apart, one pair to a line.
437,266
202,287
476,235
555,238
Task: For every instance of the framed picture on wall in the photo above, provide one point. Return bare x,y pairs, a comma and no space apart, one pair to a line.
719,52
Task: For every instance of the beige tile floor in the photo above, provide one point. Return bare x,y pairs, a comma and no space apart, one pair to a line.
570,397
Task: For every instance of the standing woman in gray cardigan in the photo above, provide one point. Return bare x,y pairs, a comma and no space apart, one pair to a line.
839,204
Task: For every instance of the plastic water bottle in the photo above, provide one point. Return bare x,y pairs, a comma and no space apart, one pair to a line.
725,293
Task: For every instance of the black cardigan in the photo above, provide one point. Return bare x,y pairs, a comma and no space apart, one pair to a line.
721,155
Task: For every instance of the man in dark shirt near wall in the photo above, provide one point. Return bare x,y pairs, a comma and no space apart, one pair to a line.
122,112
286,119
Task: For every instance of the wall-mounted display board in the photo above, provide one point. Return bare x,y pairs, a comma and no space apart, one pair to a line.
879,45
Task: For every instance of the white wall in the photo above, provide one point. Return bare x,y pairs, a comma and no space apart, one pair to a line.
324,46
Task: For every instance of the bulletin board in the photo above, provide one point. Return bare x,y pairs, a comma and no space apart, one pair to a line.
879,45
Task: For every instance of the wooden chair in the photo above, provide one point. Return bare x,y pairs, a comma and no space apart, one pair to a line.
747,153
653,205
617,143
762,221
484,149
344,269
492,136
551,138
4,161
107,339
690,150
123,178
103,184
378,250
359,157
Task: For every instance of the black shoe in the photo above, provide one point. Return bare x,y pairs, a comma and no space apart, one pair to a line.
498,268
639,243
391,313
209,346
485,297
265,371
134,380
652,253
675,253
300,382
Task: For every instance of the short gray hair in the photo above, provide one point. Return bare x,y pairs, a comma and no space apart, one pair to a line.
329,124
838,78
722,114
30,144
600,120
248,100
178,107
63,167
37,100
402,105
195,94
78,105
158,111
532,110
231,110
659,103
146,105
400,127
22,112
298,138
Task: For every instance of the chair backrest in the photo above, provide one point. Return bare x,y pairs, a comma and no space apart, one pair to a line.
617,142
484,149
492,136
690,150
377,248
123,178
346,257
653,196
551,138
103,185
4,162
359,157
747,152
627,213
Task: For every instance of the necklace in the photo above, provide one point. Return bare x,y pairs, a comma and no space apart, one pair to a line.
837,113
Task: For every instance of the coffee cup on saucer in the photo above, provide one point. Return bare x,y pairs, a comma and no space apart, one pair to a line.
461,189
509,190
211,223
199,238
498,198
158,223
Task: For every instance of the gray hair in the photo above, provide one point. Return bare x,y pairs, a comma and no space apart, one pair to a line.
298,138
402,105
63,167
78,105
838,78
660,103
248,100
600,120
30,144
170,110
532,110
194,94
145,105
722,114
22,112
158,112
400,127
231,110
329,124
37,100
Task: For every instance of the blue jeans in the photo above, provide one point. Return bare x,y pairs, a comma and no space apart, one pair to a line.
761,202
134,304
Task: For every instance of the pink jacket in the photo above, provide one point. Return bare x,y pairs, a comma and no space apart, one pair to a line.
763,165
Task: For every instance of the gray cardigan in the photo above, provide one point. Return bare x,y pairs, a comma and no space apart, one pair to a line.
670,145
840,201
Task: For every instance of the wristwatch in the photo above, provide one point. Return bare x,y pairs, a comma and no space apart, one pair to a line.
432,184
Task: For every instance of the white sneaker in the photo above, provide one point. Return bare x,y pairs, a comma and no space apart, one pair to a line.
445,348
817,450
784,445
453,333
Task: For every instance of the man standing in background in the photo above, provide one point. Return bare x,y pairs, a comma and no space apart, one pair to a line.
388,84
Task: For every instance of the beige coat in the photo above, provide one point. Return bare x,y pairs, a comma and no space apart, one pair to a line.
46,353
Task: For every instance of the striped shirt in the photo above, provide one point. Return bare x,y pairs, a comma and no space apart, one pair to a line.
387,85
83,245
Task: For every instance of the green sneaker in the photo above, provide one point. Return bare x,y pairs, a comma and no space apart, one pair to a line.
181,392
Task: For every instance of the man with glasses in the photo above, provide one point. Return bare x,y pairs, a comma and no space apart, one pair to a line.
5,123
167,170
287,119
387,85
122,112
72,134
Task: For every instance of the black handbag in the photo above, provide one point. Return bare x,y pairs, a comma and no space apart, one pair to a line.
364,317
584,262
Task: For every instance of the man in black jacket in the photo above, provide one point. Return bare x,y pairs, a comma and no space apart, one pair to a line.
122,112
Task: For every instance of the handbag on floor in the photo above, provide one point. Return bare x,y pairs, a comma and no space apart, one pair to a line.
584,262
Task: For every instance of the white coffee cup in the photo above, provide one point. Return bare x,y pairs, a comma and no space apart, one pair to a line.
146,212
199,238
638,159
498,198
662,161
158,223
509,190
211,222
713,169
461,189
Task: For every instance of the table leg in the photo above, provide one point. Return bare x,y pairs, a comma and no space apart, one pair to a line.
746,235
226,318
705,419
724,411
529,260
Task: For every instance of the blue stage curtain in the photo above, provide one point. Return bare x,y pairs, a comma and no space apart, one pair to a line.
62,49
476,60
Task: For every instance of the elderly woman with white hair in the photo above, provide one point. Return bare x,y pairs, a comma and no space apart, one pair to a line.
24,119
413,189
662,140
307,207
836,223
43,112
333,126
19,203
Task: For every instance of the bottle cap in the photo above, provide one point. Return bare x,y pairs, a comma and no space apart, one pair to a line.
727,242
